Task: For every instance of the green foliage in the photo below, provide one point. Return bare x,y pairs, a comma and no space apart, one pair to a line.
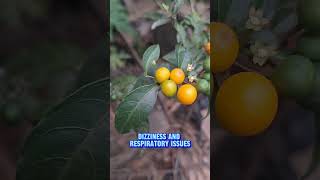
171,58
70,142
117,58
119,19
150,58
121,86
133,112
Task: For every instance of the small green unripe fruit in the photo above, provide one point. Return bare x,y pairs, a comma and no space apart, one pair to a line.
206,64
312,101
294,77
309,47
309,15
203,86
206,76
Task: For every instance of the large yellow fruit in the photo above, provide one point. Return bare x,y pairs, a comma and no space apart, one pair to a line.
225,47
187,94
246,104
162,74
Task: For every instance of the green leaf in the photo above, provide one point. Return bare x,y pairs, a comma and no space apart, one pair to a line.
181,34
171,58
183,57
121,86
64,133
90,158
150,56
180,54
187,59
133,112
160,22
142,81
176,5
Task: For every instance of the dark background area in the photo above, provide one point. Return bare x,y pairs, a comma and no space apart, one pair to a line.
48,49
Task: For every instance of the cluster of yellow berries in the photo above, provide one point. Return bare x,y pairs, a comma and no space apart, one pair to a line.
169,82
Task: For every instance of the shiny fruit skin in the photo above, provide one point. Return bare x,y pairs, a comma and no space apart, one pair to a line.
225,46
207,48
203,85
187,94
206,64
177,75
162,74
309,47
169,88
309,15
246,104
294,77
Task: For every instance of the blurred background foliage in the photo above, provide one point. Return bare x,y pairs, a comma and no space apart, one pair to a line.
46,44
48,49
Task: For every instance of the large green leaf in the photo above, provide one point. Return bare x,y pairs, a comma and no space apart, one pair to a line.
183,57
176,5
187,59
180,50
150,56
85,160
141,81
133,112
171,58
63,136
182,36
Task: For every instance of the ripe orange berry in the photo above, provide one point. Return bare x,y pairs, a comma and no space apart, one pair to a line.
187,94
177,75
162,74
